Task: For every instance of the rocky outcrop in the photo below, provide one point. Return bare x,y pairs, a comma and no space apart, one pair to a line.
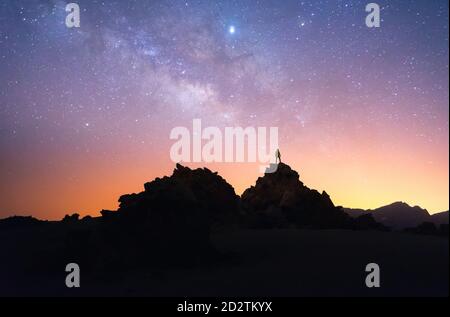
171,219
280,199
188,198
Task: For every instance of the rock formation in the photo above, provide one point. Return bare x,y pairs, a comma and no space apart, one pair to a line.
280,199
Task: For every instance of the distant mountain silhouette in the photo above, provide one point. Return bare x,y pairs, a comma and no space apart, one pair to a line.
400,215
440,218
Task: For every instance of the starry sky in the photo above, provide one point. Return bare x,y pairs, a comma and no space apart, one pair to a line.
86,113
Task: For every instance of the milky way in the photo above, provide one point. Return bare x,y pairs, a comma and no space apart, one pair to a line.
86,113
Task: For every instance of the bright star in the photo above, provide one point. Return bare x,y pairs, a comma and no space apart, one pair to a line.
231,29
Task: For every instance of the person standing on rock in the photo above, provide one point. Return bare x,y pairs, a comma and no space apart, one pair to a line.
277,156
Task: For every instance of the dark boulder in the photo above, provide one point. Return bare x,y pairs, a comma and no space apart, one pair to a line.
367,222
71,218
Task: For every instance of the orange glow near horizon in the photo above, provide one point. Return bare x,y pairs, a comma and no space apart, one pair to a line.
357,176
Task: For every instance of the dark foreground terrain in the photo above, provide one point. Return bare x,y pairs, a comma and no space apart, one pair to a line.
287,262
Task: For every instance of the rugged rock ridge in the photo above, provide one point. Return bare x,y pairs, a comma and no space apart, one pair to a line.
185,194
172,218
170,221
280,199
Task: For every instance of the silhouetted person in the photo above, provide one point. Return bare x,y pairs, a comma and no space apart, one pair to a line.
277,156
